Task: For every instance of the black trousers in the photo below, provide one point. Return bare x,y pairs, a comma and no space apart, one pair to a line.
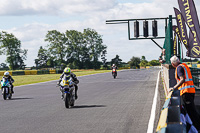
76,89
188,103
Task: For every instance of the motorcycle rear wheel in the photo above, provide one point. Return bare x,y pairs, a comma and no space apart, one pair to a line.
114,75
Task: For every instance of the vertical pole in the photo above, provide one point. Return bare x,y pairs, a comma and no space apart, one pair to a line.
171,36
179,51
166,25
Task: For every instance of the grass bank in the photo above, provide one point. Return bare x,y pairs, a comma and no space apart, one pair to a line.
30,79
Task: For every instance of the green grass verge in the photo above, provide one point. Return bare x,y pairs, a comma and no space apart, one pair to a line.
30,79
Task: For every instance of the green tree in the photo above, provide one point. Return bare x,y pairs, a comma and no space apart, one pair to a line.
103,58
11,47
117,61
94,45
57,45
42,60
51,62
3,65
154,63
143,62
75,48
134,62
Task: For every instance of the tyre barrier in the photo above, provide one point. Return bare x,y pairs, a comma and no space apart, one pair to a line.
2,73
32,72
170,121
52,71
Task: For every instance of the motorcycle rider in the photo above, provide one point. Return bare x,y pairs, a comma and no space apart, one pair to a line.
114,67
67,71
10,79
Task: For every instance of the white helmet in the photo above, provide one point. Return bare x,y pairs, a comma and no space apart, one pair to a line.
6,74
113,65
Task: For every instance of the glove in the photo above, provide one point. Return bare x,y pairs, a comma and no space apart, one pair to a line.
171,89
58,83
76,82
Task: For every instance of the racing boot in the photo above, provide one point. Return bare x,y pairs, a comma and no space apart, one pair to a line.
76,96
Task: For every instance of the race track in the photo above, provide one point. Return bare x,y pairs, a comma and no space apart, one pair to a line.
105,105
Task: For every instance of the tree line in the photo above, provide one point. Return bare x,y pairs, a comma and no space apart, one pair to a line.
78,50
136,62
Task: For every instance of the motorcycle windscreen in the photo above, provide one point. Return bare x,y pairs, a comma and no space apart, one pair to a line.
5,82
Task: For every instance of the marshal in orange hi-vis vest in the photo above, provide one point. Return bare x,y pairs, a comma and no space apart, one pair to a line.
188,85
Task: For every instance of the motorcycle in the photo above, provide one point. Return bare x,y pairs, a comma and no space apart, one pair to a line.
6,89
114,73
67,90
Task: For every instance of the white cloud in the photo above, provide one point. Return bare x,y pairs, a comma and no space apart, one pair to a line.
53,7
81,14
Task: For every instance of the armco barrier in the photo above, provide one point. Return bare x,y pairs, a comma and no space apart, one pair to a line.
170,121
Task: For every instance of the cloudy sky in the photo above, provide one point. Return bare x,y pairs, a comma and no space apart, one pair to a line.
29,21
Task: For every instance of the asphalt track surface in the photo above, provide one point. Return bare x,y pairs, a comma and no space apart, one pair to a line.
105,105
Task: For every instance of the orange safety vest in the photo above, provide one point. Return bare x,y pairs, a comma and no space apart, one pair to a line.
188,85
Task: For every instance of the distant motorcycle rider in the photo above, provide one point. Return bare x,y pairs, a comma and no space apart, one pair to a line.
10,79
114,67
67,71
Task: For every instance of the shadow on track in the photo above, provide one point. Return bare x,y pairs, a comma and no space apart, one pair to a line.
20,98
87,106
117,78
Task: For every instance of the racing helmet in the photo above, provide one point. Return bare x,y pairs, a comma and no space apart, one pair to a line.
6,74
113,65
67,70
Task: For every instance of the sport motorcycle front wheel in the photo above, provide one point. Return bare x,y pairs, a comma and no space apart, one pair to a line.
66,100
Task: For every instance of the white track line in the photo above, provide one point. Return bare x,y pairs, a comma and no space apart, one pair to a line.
153,109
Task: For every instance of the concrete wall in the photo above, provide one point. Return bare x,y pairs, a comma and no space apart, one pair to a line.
168,76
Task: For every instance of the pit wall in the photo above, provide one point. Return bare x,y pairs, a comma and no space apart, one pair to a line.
168,76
